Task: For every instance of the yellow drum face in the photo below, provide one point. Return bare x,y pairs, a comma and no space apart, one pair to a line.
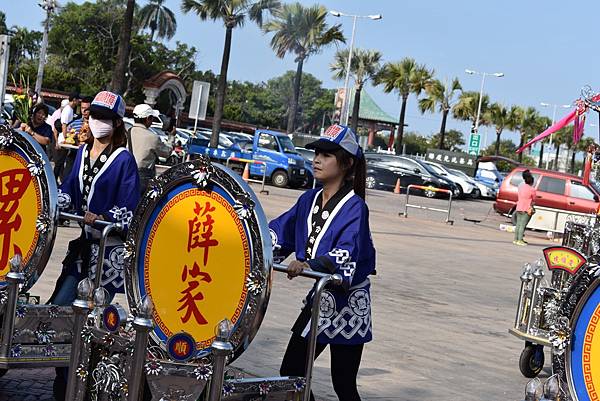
195,264
20,206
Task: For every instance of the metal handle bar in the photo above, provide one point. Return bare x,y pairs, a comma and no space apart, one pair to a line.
107,227
98,224
324,279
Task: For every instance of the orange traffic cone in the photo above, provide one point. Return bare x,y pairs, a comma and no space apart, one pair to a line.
397,188
246,175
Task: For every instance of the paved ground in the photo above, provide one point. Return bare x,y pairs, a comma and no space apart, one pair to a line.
443,300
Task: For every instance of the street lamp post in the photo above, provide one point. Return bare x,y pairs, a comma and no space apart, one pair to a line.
345,105
554,107
483,75
49,6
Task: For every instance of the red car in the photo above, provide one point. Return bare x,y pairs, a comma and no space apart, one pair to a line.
553,189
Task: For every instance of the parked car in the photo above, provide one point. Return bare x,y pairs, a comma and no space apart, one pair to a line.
489,174
483,190
466,186
409,171
553,190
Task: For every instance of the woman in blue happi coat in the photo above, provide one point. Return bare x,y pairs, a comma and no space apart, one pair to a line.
328,231
103,185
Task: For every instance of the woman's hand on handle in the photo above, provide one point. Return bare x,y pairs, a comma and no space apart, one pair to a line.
295,268
89,218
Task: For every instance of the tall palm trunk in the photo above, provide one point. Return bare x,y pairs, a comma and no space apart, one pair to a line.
291,124
356,108
154,26
118,78
221,89
521,143
443,129
540,161
498,135
556,156
572,169
400,135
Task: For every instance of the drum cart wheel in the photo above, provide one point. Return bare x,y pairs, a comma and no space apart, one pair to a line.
531,361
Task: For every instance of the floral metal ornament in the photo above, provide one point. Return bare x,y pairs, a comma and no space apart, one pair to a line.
129,249
53,311
201,176
203,372
299,384
44,333
16,351
6,137
108,340
560,333
42,224
153,368
35,169
255,282
228,389
21,311
86,334
81,372
107,377
49,350
155,190
3,296
264,388
243,210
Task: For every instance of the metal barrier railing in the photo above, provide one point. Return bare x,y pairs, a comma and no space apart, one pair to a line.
323,280
250,161
434,209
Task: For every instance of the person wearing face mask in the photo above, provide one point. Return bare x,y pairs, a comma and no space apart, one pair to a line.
103,185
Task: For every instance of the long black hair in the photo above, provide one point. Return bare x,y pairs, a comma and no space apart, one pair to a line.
356,170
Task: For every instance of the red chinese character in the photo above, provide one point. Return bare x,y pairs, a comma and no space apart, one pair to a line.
13,184
188,300
200,231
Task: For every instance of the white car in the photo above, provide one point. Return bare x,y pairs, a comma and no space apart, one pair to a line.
465,186
485,190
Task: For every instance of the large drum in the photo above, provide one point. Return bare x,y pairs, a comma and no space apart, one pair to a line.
199,247
28,204
579,365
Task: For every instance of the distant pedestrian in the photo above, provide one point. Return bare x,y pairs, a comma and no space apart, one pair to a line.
37,127
524,209
66,117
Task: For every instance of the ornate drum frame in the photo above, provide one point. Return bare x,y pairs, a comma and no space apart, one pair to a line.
579,352
204,175
40,168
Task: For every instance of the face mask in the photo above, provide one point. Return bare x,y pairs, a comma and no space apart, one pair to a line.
100,128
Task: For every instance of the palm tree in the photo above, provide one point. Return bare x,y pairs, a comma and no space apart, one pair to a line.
365,66
302,31
233,13
118,78
502,118
441,95
466,108
404,77
526,124
560,138
540,125
157,17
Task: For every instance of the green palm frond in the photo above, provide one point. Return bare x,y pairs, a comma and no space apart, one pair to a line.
404,77
365,65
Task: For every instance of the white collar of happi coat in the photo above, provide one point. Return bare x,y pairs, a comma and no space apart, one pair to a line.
106,165
334,212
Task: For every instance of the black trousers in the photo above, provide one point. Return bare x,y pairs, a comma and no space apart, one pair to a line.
345,360
60,158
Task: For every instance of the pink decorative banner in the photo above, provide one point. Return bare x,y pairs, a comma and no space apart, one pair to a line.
550,130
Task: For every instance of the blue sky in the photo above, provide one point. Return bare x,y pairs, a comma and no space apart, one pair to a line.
546,49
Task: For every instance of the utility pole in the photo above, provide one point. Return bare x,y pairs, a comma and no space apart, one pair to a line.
4,47
49,6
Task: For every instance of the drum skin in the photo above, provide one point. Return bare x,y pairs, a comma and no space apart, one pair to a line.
200,248
28,205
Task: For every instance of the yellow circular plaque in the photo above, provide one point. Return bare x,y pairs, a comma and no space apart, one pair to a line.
20,206
196,262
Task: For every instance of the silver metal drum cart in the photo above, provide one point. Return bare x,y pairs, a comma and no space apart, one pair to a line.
32,335
537,309
155,353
